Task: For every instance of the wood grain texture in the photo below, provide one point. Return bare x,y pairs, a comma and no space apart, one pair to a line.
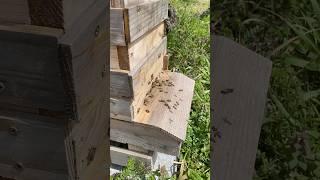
14,12
128,57
88,57
149,137
34,142
49,13
239,85
30,70
166,107
168,104
130,84
73,71
127,3
28,174
129,24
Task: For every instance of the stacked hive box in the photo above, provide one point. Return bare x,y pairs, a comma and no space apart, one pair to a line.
53,84
149,106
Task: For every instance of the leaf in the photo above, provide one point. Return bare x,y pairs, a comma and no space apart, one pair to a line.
313,133
316,8
310,95
317,172
298,62
303,165
293,163
282,109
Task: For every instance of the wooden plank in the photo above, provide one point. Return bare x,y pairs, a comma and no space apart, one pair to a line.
125,84
30,71
128,3
14,11
137,149
148,137
131,88
88,59
8,173
81,54
25,152
129,24
128,57
157,123
120,156
240,83
166,62
169,99
50,13
168,104
117,31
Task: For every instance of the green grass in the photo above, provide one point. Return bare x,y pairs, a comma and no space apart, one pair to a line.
288,33
189,46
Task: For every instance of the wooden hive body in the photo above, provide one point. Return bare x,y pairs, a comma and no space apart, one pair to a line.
149,106
130,23
54,86
61,14
130,57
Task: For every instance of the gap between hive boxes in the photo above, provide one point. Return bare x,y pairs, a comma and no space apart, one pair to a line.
121,153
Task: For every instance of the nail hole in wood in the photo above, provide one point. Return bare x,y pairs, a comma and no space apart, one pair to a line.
13,131
2,87
97,32
19,166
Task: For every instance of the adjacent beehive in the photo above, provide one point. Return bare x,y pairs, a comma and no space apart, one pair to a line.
53,84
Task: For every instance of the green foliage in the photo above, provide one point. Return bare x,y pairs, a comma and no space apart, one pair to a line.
290,142
189,47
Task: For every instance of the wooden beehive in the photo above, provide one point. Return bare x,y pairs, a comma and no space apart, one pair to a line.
149,106
53,85
134,54
62,14
129,88
128,23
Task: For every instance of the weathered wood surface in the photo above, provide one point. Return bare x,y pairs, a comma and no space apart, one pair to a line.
129,24
166,107
30,74
128,57
32,144
77,66
168,104
14,12
28,174
149,137
239,85
131,88
87,137
127,3
50,13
